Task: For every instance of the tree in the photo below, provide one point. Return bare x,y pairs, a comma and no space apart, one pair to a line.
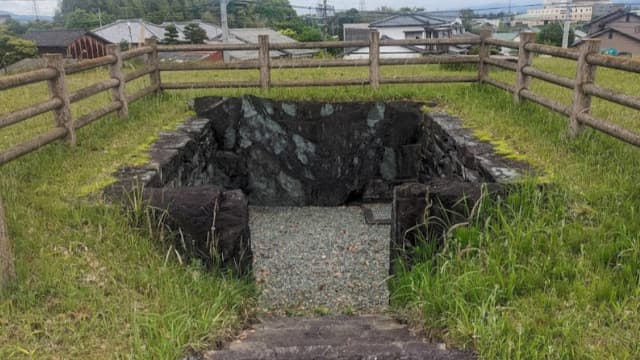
81,19
171,34
14,49
16,27
410,10
467,16
551,34
124,45
195,34
309,34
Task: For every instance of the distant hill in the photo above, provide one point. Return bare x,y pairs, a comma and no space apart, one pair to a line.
25,18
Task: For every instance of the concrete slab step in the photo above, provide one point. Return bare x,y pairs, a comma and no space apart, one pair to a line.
391,351
334,337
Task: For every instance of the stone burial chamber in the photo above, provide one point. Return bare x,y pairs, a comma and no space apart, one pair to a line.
306,153
243,151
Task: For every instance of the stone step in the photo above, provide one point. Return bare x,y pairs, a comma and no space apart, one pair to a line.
387,351
379,321
332,337
324,336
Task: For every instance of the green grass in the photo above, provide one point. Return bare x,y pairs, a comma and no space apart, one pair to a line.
550,274
544,274
90,284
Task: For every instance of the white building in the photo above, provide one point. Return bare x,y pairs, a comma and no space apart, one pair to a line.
399,27
560,10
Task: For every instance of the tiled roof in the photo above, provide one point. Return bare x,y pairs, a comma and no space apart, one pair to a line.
408,20
57,38
250,36
133,31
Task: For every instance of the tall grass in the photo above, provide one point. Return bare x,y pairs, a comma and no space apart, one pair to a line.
549,273
92,283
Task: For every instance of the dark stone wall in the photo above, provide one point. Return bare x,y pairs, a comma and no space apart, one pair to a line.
207,223
309,153
451,151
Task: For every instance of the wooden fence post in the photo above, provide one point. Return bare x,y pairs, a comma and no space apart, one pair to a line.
58,89
374,59
7,264
484,53
115,70
265,62
525,58
585,74
153,60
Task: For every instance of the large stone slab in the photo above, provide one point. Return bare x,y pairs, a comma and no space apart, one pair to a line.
450,150
208,223
310,153
333,337
426,212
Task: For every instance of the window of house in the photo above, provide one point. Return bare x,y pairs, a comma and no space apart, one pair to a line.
413,34
610,35
636,29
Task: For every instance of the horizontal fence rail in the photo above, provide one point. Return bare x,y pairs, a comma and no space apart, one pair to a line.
587,59
85,65
31,77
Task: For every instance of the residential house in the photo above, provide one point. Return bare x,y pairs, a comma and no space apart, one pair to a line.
76,44
356,32
404,26
486,23
250,36
573,10
213,31
619,30
131,31
579,34
4,18
509,36
136,31
621,20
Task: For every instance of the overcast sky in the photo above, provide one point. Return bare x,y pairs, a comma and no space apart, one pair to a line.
47,7
426,4
25,7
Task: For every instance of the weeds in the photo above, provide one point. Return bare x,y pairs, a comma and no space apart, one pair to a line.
542,274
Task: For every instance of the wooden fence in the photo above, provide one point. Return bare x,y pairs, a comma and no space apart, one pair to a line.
54,73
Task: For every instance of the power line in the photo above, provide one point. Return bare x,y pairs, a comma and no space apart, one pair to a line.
320,8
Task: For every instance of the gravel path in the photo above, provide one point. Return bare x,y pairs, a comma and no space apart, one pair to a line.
307,258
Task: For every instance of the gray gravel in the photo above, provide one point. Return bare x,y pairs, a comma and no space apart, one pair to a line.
311,258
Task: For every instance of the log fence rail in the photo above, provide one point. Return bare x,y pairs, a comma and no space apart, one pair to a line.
583,86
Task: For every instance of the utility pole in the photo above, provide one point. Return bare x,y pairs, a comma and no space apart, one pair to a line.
35,9
99,16
325,23
565,29
224,23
